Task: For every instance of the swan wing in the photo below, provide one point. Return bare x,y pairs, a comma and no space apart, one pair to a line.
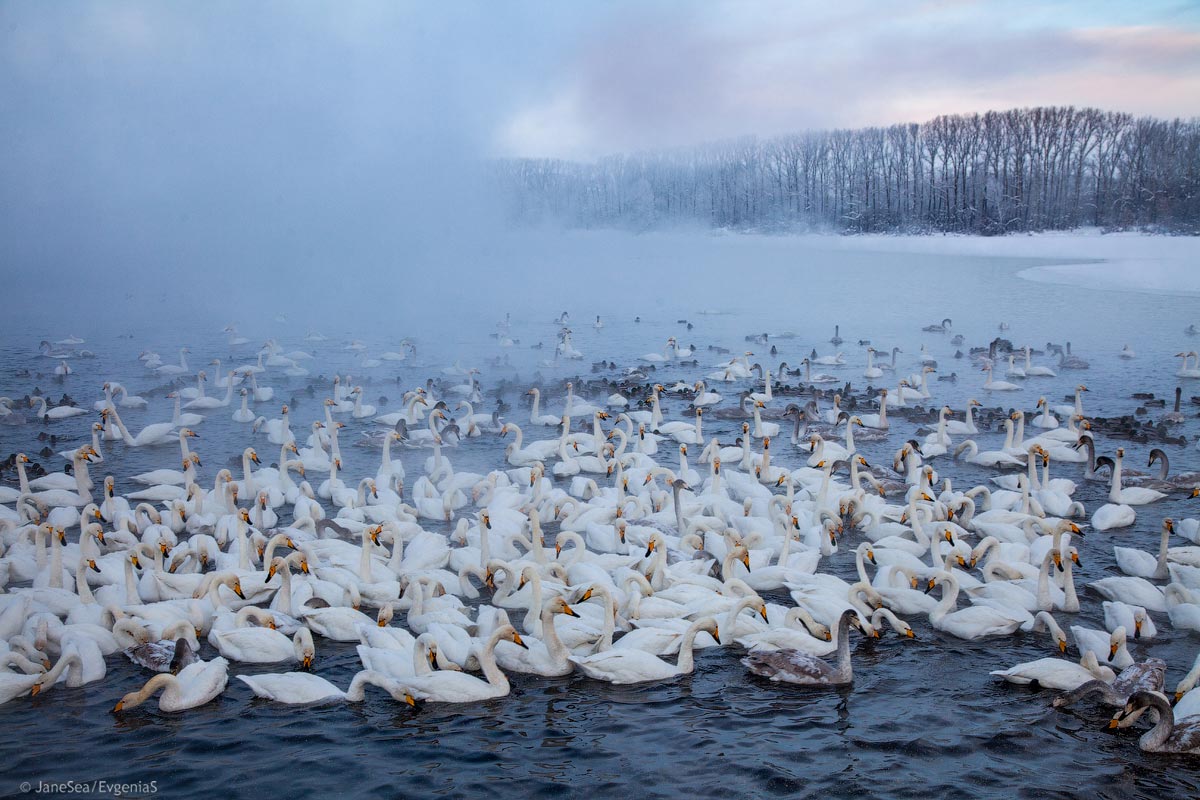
292,687
790,666
628,665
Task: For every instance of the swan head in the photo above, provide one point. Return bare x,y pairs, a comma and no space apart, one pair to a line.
384,618
1139,618
509,633
37,686
559,606
1116,641
741,554
944,579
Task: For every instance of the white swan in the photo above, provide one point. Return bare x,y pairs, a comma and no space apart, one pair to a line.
1109,647
1132,495
457,687
1057,673
244,414
1034,372
58,412
630,665
194,685
1135,591
153,434
302,688
993,385
1136,562
974,622
254,645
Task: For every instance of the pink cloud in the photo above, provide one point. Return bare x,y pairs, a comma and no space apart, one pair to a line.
661,82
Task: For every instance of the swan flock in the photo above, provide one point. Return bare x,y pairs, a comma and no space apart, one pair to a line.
615,526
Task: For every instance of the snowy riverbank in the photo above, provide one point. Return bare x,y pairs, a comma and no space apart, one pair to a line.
1118,261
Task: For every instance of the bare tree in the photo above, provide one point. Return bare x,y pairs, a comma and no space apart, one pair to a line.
1021,169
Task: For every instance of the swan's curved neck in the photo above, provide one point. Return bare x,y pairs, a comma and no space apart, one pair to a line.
1071,599
1114,494
1043,585
558,651
1157,736
68,660
487,662
843,644
687,655
364,559
949,599
164,680
284,597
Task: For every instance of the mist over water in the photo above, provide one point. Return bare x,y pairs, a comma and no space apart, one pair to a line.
222,158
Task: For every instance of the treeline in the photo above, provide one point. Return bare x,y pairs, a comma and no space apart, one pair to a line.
1025,169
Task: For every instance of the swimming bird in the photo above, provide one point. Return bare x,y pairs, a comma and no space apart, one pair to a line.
796,666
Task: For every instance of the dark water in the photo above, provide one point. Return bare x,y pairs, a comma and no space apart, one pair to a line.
922,718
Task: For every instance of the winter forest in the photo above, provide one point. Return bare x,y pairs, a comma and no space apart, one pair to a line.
1029,169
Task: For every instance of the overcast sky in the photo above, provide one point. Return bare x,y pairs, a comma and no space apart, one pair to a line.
674,74
144,135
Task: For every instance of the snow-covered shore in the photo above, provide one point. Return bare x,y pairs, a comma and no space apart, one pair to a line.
1116,261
